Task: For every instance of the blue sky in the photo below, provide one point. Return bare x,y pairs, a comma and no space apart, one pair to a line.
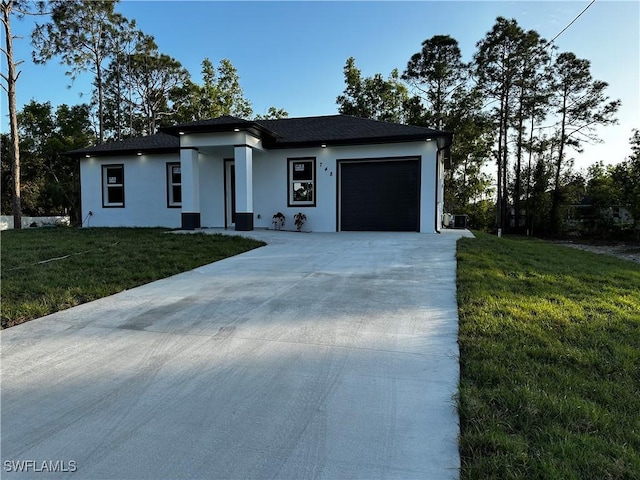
291,54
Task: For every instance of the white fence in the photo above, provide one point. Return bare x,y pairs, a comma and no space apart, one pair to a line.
6,221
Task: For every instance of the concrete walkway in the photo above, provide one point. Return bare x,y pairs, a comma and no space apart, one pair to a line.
318,356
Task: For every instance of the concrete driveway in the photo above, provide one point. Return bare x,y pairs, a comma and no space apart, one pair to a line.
318,356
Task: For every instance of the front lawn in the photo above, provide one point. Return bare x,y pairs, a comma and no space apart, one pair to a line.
550,362
81,265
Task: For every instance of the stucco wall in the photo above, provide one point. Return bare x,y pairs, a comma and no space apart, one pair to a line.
145,186
145,192
270,182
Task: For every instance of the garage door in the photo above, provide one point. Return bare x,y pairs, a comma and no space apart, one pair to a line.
380,195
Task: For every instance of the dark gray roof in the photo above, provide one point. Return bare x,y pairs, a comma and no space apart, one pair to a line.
342,130
158,143
281,133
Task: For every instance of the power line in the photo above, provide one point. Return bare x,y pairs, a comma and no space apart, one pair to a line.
571,23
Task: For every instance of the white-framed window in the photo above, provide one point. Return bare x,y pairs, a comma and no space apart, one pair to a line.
302,182
174,185
113,186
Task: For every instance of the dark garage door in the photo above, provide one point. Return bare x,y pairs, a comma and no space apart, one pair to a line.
380,195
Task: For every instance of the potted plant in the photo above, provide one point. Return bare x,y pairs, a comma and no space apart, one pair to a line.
278,221
299,219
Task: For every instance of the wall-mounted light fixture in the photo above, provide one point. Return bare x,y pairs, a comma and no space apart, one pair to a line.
180,133
139,154
236,129
88,156
324,145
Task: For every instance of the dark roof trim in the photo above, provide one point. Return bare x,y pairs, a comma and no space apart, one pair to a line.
305,132
351,141
158,143
233,125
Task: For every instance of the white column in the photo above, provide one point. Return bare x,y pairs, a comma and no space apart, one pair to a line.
190,173
243,156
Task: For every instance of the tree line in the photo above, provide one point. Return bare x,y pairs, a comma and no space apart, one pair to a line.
136,89
518,104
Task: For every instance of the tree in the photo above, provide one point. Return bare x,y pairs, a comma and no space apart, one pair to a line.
581,105
496,68
440,79
532,98
465,181
220,94
230,93
85,35
51,180
602,193
627,176
273,114
374,97
437,72
151,77
9,8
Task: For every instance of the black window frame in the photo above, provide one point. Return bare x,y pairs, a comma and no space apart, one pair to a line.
106,186
290,182
171,203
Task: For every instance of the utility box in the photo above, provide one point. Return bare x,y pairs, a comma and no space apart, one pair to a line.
460,221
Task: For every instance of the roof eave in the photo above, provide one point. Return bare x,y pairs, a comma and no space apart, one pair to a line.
118,153
360,141
252,128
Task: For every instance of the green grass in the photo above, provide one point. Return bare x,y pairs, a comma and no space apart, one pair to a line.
550,362
103,261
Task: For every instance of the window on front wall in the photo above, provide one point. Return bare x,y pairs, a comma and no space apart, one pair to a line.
174,185
113,185
302,182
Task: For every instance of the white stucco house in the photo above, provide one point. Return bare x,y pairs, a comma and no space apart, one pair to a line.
342,172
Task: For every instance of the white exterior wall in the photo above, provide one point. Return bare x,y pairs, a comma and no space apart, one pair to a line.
145,186
145,192
271,188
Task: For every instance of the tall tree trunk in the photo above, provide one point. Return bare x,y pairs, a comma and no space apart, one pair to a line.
529,219
12,79
555,203
518,181
499,216
505,163
100,102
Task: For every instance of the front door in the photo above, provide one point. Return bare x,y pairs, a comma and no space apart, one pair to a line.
230,193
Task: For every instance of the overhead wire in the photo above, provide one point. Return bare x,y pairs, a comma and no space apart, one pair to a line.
570,23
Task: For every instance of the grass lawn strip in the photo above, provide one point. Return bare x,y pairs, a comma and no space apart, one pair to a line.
550,361
47,270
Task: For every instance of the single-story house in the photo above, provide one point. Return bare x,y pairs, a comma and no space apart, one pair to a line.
342,172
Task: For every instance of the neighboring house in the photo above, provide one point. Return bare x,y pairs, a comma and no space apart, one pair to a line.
342,172
585,216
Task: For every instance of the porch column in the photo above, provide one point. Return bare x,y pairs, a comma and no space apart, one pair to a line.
190,173
244,187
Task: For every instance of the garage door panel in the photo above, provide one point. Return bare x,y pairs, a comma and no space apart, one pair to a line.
380,196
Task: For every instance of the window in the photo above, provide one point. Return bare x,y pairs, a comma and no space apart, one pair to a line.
174,185
302,182
113,185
